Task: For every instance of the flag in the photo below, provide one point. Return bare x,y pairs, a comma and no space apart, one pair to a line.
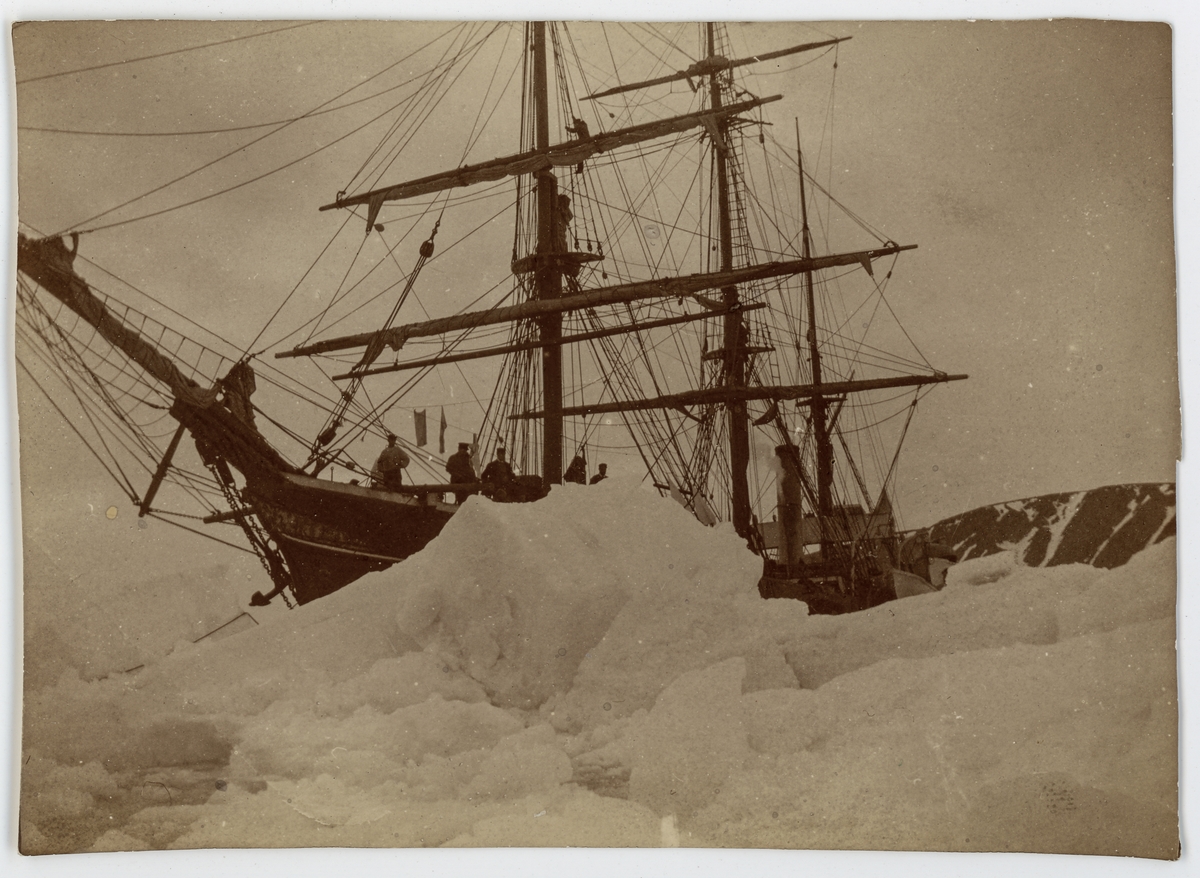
475,452
442,433
419,423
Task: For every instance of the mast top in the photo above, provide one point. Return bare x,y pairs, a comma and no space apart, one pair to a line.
714,64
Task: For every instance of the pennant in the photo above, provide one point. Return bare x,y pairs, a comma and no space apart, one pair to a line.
419,424
442,433
475,452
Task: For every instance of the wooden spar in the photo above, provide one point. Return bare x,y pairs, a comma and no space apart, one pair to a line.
661,288
545,157
48,262
714,63
722,395
228,515
160,473
534,345
734,329
819,404
548,274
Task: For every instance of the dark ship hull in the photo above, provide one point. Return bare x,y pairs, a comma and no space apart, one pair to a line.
331,533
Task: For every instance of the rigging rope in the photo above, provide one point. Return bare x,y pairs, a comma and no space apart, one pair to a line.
128,487
162,54
422,104
157,515
235,152
370,355
228,129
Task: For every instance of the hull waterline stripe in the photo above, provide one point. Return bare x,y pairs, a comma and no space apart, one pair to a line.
325,548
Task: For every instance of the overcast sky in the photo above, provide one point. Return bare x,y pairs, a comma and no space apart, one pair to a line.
1030,161
1042,204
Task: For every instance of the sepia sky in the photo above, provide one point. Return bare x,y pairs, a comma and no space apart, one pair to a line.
1031,162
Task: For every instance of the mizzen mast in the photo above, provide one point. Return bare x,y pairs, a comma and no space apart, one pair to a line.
818,403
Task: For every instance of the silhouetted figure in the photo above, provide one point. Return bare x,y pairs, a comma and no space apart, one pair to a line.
579,129
563,226
498,478
577,471
460,469
390,465
600,476
239,385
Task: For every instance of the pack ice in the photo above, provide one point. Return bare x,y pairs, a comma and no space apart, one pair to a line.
598,669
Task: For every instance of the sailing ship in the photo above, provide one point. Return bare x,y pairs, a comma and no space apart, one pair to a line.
665,281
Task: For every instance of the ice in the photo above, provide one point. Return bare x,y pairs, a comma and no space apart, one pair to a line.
982,570
1064,513
703,708
598,669
85,622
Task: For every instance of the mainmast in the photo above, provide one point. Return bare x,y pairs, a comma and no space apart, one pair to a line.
733,347
548,275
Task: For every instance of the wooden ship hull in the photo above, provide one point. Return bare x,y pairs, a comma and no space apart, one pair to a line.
331,534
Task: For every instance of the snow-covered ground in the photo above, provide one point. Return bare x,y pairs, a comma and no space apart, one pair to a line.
597,669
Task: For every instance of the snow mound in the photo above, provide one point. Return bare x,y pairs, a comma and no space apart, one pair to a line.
598,669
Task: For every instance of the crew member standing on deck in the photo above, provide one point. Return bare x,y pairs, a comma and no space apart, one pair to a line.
391,463
600,476
498,478
577,471
460,469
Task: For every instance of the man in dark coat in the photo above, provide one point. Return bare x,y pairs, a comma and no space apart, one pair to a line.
498,478
460,469
600,476
577,471
390,464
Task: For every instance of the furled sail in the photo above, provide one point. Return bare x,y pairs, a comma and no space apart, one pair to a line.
631,292
566,154
727,394
714,64
50,263
566,339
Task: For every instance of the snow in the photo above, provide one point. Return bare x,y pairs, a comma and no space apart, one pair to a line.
1132,508
597,669
1058,526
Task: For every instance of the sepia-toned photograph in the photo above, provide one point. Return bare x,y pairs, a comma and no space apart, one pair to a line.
602,434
